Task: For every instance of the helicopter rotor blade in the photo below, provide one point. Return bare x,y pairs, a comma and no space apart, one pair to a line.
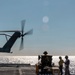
21,45
22,29
28,33
23,34
23,24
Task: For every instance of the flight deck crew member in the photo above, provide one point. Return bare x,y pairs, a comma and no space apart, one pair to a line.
67,63
61,65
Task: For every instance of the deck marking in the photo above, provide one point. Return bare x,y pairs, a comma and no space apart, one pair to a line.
20,72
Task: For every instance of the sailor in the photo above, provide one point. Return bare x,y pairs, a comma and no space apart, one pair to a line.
67,63
61,65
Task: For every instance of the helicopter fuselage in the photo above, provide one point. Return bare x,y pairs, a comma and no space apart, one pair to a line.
8,45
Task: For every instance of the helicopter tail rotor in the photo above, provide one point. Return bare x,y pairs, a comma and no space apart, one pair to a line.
24,34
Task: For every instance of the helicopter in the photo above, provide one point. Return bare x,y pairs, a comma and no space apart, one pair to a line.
12,38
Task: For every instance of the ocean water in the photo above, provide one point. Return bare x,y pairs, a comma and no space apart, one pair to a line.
34,59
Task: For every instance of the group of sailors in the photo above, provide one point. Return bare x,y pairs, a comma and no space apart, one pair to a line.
61,62
66,63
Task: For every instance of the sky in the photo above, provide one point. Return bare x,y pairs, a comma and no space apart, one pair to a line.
52,21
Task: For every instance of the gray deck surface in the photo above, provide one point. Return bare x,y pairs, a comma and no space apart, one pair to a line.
28,70
17,70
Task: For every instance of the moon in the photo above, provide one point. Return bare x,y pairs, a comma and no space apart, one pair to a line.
45,19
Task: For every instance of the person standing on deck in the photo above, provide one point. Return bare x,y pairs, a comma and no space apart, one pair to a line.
67,63
61,65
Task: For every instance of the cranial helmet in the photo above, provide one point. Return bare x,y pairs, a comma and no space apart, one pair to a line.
45,52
